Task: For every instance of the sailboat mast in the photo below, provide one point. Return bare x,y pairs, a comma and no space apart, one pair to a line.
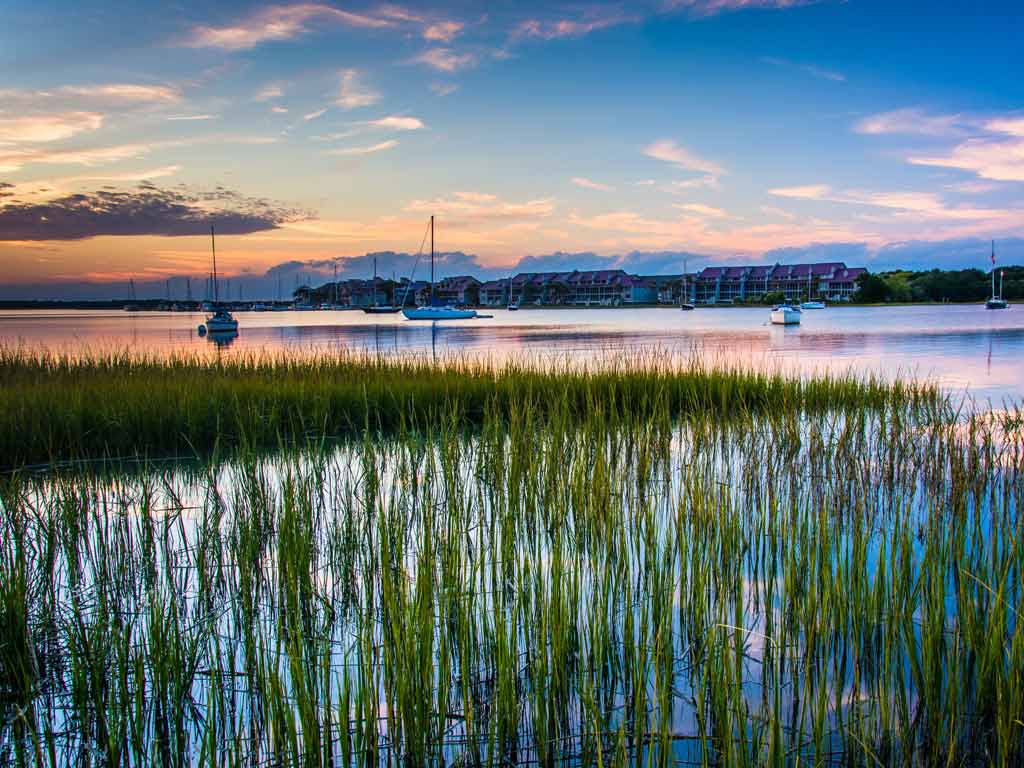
993,269
375,281
213,248
684,294
431,261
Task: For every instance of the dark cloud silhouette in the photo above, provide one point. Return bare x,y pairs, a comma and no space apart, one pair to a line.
145,210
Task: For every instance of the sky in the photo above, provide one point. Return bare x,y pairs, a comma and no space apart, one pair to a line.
541,135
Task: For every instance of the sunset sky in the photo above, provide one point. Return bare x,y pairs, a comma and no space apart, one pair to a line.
540,134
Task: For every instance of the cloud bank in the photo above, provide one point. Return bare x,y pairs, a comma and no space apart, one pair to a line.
146,210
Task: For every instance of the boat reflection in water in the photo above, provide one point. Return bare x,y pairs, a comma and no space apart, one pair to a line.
222,339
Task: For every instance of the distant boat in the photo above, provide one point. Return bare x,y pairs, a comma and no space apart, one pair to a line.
996,302
513,306
259,307
375,308
221,321
434,311
784,314
684,292
811,303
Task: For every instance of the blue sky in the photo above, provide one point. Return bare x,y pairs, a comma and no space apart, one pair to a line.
312,132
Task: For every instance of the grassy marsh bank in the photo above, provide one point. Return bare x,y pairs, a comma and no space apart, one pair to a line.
57,407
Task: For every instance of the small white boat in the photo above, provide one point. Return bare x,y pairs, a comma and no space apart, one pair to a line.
784,314
513,307
439,313
813,305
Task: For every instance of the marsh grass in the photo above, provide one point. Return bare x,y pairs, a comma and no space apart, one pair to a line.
56,407
731,570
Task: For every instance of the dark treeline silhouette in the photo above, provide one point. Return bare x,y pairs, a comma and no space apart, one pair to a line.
937,285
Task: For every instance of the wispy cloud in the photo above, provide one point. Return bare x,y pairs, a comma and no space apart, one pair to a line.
190,118
582,181
443,31
552,29
397,123
445,59
38,129
444,89
373,148
13,159
997,154
269,92
276,23
314,114
714,7
477,206
699,209
353,94
911,121
670,152
822,73
913,204
96,96
771,210
805,192
997,159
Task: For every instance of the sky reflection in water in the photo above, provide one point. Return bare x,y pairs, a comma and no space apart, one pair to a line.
963,347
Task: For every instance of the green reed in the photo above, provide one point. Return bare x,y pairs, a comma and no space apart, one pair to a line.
56,407
611,568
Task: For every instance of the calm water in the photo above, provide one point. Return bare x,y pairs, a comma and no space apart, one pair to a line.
965,348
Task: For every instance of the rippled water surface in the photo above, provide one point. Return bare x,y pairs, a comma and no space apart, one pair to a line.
963,347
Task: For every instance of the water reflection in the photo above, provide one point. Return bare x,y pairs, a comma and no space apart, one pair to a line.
964,347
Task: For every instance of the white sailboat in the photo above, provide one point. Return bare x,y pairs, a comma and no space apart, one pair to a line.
684,292
221,321
811,303
996,302
434,311
785,314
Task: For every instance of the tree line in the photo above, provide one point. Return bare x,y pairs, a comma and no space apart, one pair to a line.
937,285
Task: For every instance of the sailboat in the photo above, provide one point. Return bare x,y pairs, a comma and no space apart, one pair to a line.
684,292
996,302
435,311
375,308
785,314
512,305
221,321
811,303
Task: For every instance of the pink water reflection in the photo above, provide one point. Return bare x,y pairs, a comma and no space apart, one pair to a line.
962,347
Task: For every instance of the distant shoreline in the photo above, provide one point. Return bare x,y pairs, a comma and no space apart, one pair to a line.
152,305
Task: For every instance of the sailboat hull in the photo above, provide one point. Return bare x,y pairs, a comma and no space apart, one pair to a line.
994,303
439,313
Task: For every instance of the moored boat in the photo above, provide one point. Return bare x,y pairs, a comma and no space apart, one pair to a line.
813,305
996,302
784,314
221,321
434,311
